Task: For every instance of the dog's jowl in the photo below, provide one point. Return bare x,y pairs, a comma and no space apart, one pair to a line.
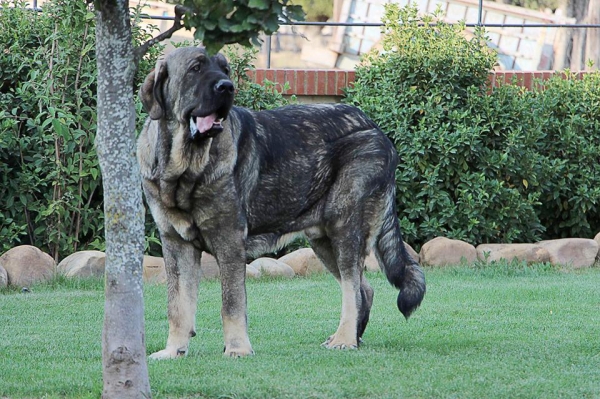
233,182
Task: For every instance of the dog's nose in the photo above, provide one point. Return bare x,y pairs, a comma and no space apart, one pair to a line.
224,86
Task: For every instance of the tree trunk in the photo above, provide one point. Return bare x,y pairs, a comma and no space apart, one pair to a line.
592,44
579,9
125,370
563,41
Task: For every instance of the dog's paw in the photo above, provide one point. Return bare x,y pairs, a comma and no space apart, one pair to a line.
334,343
341,346
167,354
238,352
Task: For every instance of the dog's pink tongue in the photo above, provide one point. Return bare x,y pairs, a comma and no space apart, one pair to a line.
206,123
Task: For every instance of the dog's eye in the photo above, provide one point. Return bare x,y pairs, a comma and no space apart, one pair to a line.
227,70
196,68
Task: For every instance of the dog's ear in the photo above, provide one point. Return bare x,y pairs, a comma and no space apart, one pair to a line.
151,92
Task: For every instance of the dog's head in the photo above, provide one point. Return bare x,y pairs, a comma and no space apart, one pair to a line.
192,88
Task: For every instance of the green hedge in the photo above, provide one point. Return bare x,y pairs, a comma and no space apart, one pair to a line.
50,182
568,113
502,166
50,188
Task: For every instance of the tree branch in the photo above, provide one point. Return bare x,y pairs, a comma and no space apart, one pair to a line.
139,51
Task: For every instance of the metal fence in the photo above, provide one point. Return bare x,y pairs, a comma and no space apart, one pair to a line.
268,45
479,23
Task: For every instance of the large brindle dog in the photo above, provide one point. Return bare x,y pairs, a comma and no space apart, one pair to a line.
233,182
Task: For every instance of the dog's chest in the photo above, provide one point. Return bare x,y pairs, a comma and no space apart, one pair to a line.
212,183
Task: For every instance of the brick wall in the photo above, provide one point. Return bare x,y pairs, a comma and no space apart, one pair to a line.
328,83
525,79
307,82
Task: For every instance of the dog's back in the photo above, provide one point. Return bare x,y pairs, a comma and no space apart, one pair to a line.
296,153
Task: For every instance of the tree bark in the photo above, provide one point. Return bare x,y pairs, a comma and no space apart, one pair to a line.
125,370
563,41
592,44
579,10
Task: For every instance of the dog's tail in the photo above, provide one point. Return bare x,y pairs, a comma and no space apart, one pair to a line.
401,270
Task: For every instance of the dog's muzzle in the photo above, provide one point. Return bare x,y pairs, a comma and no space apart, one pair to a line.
212,124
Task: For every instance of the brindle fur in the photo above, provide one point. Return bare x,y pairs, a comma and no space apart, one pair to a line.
323,170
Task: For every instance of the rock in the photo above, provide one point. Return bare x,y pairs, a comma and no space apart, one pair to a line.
575,252
3,278
157,274
413,254
597,239
209,266
154,270
273,267
83,264
372,265
26,265
303,262
442,251
530,253
252,272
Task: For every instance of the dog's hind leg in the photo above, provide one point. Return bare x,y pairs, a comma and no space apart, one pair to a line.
357,294
322,247
366,293
347,248
182,263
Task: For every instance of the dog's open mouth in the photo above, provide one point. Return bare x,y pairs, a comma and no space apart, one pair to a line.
206,126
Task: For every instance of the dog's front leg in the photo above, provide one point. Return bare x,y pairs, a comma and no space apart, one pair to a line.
228,248
182,263
168,189
234,310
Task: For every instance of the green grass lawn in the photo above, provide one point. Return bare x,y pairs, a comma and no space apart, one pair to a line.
498,332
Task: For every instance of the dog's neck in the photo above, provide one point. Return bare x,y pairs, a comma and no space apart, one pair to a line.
177,153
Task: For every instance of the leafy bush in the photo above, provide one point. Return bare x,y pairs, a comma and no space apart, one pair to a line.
50,187
468,161
50,183
567,113
50,192
480,165
217,23
248,93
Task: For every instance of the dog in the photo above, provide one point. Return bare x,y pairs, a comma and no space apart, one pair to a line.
234,182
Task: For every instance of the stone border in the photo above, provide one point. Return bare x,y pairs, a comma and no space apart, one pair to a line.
24,265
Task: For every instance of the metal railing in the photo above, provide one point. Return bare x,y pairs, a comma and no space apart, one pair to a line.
479,23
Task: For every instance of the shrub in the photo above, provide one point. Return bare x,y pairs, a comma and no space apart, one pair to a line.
50,193
50,182
468,160
51,187
567,113
248,93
